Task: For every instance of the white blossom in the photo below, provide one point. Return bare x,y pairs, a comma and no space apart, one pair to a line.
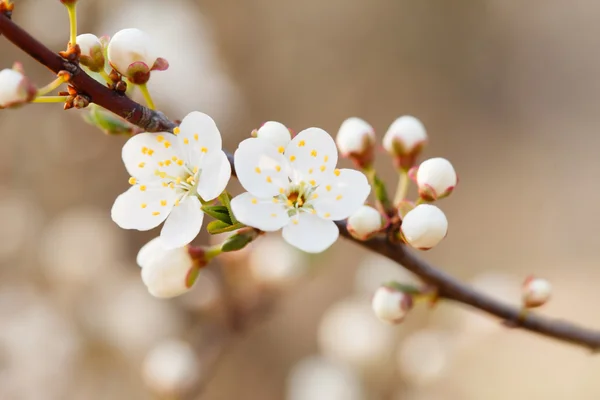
92,52
275,132
536,292
166,272
424,226
171,368
436,178
133,54
297,188
356,139
170,173
15,88
405,136
391,304
365,222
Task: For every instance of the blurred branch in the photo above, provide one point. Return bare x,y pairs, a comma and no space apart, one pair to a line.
447,286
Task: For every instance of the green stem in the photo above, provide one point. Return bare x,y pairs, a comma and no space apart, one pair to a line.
402,189
51,86
103,74
381,196
50,99
72,10
212,252
147,97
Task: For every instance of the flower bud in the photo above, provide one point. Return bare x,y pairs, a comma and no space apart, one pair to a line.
365,222
92,53
404,140
15,87
131,52
436,178
536,292
171,368
424,226
274,132
391,304
356,140
68,2
167,272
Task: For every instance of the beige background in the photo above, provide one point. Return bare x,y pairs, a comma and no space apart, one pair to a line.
508,92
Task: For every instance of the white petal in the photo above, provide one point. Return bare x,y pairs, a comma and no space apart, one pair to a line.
265,214
339,195
312,155
183,224
311,233
260,168
143,209
198,135
275,132
145,153
215,175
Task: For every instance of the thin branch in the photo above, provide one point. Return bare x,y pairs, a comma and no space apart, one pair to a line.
447,286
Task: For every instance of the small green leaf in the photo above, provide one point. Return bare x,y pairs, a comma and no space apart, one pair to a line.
215,227
225,199
236,242
108,122
220,213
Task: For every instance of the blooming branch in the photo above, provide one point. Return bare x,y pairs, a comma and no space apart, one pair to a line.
446,287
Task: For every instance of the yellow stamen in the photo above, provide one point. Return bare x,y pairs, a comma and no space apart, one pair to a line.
132,181
165,184
327,215
150,152
315,195
339,197
161,164
186,141
257,170
167,162
195,136
326,158
155,213
277,168
269,179
143,205
292,158
178,180
336,172
295,221
171,185
273,215
174,158
275,200
144,150
167,144
301,143
176,130
160,138
163,203
179,162
313,153
204,149
281,190
143,188
323,168
281,149
195,170
141,165
176,202
254,201
328,187
310,171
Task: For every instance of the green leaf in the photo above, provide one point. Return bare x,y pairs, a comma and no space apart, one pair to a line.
108,122
236,242
220,213
225,199
215,227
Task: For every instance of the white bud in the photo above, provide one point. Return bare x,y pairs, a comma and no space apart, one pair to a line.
92,53
365,222
166,272
424,226
404,140
536,292
171,368
275,132
356,139
436,178
15,88
391,304
131,52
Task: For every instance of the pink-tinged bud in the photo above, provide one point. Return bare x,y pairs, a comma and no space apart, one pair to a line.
92,52
68,2
391,304
275,132
404,140
424,226
436,179
356,140
168,272
131,52
365,222
536,292
15,87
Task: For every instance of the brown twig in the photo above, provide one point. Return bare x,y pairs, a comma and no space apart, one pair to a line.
447,286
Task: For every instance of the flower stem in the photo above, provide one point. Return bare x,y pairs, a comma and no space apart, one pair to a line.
103,74
72,10
50,99
381,196
402,189
147,97
212,252
51,86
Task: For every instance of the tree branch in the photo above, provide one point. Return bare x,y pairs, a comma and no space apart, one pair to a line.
447,286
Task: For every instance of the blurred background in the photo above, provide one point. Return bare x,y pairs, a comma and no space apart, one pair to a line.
508,92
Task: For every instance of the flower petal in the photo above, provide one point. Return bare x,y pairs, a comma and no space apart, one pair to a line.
146,153
265,214
198,135
341,193
310,233
183,224
143,208
215,175
312,155
260,168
